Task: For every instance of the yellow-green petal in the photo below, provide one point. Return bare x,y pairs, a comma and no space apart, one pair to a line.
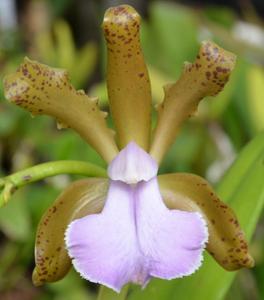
227,242
44,90
127,77
205,77
81,198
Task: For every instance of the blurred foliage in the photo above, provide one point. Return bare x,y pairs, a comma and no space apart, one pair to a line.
58,50
206,145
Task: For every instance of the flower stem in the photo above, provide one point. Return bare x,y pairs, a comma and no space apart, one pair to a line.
108,294
11,183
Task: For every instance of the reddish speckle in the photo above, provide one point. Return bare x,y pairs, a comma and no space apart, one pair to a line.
245,260
208,75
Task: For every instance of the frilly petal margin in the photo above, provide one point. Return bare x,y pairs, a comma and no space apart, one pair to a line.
104,246
172,241
227,242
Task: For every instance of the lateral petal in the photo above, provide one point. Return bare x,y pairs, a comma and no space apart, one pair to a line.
104,246
83,197
172,241
227,243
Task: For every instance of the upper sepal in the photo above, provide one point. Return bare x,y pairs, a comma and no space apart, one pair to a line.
81,198
205,77
227,242
128,81
41,89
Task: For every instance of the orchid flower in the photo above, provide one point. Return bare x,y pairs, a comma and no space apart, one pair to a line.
135,225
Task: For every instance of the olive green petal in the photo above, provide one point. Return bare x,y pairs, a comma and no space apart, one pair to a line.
227,242
205,77
81,198
44,90
127,77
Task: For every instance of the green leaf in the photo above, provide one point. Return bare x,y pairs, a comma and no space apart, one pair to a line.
65,44
71,288
15,219
255,83
84,64
108,294
161,36
243,188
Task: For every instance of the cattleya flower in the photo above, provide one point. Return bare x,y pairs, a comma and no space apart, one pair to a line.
135,225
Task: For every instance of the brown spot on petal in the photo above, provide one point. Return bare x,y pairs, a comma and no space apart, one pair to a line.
182,98
79,199
51,93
